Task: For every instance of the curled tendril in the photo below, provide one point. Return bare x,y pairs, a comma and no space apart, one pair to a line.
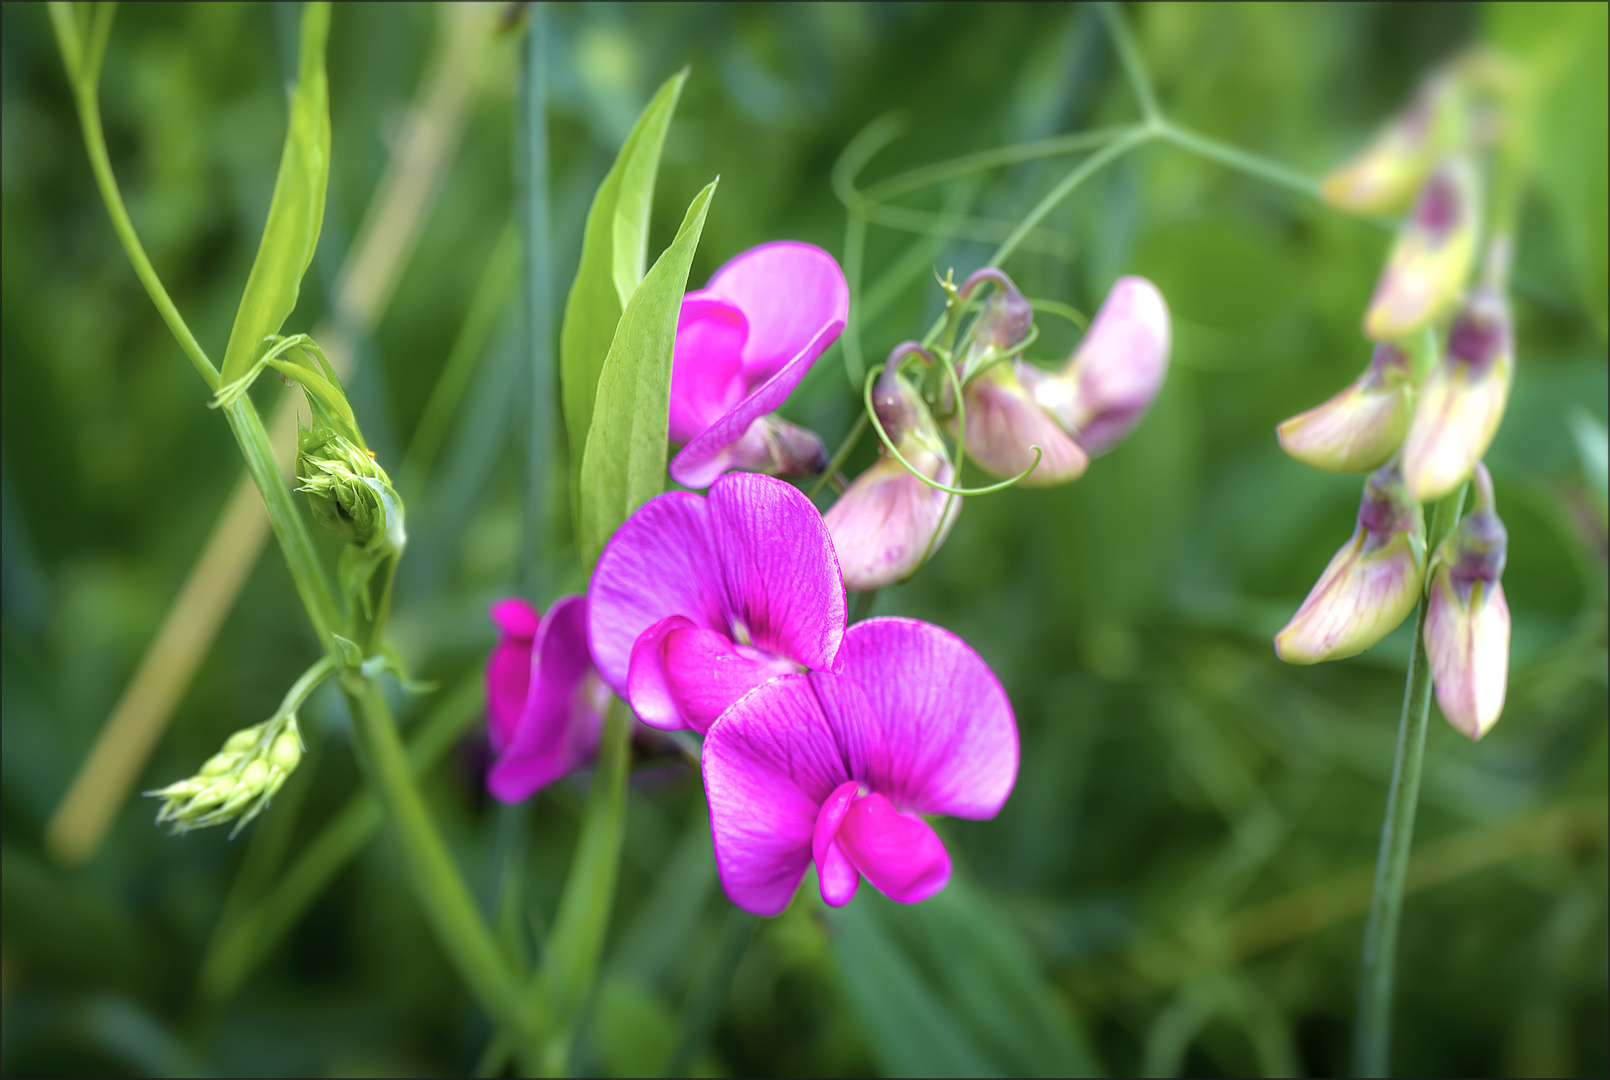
1062,311
230,392
883,437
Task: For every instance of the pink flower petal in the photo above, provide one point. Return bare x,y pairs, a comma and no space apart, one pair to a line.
563,713
707,456
943,739
659,563
752,562
795,301
508,669
899,853
707,366
1004,423
778,571
684,676
837,877
769,765
789,292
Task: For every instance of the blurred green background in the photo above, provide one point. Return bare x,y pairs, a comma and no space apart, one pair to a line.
1177,882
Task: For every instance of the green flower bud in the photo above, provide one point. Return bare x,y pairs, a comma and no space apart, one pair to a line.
348,492
238,781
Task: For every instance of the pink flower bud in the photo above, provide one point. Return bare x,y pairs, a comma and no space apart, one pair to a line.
1006,317
1432,257
1467,618
1005,423
1463,399
1386,175
1371,584
1112,378
887,521
1360,428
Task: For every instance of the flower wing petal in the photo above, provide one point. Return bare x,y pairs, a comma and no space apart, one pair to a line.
769,764
659,563
508,669
899,853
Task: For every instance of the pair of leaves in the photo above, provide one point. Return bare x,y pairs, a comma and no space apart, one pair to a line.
619,335
297,211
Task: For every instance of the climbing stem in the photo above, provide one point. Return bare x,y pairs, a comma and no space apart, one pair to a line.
1372,1033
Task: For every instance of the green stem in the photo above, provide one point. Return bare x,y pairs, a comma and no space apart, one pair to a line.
83,71
532,141
437,881
984,160
289,527
1372,1035
1251,164
576,941
888,444
840,456
243,939
1134,70
1087,168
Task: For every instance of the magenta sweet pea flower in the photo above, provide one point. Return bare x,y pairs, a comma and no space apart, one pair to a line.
835,769
698,599
743,343
544,700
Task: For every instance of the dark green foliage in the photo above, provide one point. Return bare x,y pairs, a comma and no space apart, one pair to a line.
1177,882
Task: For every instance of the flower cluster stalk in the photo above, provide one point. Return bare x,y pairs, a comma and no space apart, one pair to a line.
1372,1030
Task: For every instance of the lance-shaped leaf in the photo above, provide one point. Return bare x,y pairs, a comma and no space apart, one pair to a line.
297,209
613,252
623,465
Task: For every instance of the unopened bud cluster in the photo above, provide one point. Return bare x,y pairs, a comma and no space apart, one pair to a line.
1426,408
347,490
1014,419
238,781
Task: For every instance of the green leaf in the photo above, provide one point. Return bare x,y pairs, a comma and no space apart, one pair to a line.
614,249
623,465
297,210
945,988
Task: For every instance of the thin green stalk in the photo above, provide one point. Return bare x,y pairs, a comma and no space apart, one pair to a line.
576,941
289,527
854,255
437,881
711,989
83,64
984,160
242,940
1134,70
1087,168
1372,1033
532,140
1241,160
840,456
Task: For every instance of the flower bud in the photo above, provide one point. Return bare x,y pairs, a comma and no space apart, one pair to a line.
1386,175
236,782
1467,618
887,521
1463,399
1432,257
1112,378
349,493
1371,584
1361,427
1005,424
1006,317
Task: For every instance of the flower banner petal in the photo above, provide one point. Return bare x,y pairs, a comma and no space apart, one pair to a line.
790,292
